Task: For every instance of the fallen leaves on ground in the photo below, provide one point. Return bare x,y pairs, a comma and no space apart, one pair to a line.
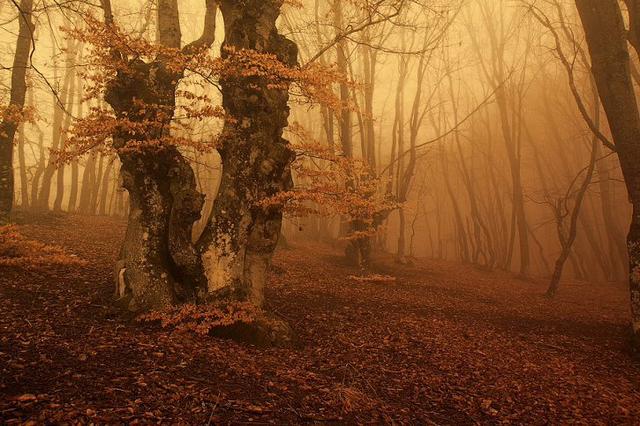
372,278
445,344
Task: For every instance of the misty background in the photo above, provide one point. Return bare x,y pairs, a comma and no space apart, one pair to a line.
475,91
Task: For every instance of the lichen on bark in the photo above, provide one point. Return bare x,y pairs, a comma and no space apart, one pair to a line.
238,243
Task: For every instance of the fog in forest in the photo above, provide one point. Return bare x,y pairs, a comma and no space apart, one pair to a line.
400,179
479,160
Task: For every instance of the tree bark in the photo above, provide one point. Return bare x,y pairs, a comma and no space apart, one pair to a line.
239,242
158,265
606,37
22,163
613,230
8,126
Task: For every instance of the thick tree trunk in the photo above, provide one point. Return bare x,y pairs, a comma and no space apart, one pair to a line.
607,40
613,231
238,244
8,127
358,250
158,264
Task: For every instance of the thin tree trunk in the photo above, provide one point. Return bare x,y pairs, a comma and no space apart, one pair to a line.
510,133
399,165
35,182
402,239
56,136
95,187
461,234
88,182
346,118
480,229
104,188
568,237
358,250
66,122
22,163
75,167
112,199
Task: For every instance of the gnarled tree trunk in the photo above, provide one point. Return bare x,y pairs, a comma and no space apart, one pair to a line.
158,265
238,244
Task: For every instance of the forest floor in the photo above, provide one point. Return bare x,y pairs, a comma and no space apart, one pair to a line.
444,344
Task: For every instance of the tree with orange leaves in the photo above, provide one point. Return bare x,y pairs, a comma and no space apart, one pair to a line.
160,266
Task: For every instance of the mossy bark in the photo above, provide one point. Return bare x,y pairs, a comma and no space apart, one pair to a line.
238,244
159,265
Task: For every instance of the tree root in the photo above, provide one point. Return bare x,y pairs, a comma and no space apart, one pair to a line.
266,331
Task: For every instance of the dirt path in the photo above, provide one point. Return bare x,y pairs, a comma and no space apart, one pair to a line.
446,344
